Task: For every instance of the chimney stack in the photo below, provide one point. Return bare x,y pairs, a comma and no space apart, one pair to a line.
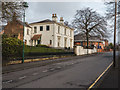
61,20
54,17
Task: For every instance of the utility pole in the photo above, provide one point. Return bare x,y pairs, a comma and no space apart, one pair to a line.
114,51
87,42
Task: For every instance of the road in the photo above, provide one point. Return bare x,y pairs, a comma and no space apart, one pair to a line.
76,73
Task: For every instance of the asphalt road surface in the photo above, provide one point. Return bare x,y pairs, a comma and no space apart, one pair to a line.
76,73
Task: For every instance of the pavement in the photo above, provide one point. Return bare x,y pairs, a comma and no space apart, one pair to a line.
111,78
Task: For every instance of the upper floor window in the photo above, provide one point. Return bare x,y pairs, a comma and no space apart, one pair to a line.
70,33
35,29
58,29
65,31
47,28
41,28
27,31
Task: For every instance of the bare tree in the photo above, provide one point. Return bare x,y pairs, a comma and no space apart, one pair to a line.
10,9
111,9
90,23
110,13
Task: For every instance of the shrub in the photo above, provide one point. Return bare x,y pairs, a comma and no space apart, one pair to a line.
11,48
39,45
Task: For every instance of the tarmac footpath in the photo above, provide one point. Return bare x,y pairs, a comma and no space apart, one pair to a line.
110,79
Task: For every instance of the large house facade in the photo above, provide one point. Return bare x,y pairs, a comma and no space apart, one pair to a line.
51,33
48,32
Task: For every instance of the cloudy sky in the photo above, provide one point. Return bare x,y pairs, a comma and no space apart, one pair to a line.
39,10
43,10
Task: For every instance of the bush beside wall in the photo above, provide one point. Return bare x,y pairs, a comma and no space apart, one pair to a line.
11,48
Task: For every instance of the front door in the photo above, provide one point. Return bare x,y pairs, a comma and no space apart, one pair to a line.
38,41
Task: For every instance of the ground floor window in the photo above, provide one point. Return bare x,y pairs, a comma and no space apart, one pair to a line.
65,42
50,42
58,41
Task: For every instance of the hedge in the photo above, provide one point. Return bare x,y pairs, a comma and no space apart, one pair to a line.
11,48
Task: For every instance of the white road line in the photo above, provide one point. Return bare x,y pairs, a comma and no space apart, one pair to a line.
22,77
45,71
59,63
34,73
58,67
9,81
52,69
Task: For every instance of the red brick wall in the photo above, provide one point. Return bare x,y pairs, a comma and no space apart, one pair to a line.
14,28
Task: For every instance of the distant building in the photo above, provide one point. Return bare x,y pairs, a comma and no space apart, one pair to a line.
80,40
14,28
52,33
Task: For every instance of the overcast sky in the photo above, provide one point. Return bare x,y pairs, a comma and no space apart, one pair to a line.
38,11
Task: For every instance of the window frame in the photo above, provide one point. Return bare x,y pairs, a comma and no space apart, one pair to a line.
59,29
27,31
35,30
47,28
50,42
41,27
65,32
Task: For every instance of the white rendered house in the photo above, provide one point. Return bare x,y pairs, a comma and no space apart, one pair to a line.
51,33
28,35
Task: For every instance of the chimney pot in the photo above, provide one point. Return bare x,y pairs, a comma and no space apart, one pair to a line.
61,20
55,15
52,15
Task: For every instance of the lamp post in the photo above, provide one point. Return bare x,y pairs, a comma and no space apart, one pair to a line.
25,5
114,51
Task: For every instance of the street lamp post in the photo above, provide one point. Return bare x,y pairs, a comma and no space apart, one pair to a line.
25,5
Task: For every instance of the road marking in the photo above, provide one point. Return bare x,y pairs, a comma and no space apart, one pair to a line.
45,71
100,76
52,69
34,73
59,63
9,81
59,67
22,77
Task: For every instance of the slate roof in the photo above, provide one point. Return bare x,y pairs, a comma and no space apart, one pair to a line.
50,21
44,21
82,37
26,24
